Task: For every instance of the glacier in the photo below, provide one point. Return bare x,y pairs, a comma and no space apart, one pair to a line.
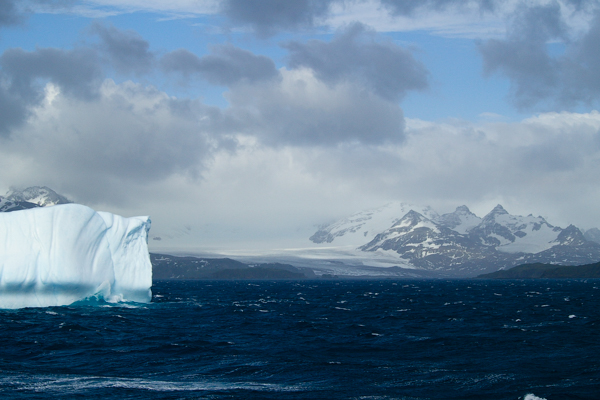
55,256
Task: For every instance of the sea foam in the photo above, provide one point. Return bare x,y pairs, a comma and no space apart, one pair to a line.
532,397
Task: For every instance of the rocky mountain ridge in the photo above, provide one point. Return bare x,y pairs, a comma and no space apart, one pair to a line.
463,244
31,197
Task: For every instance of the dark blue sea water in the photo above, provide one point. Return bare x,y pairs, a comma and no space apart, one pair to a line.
413,340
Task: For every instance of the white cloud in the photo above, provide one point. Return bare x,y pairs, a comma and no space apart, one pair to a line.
459,19
96,149
104,8
465,22
300,109
260,196
136,150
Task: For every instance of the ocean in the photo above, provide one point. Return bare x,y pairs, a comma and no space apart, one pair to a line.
420,339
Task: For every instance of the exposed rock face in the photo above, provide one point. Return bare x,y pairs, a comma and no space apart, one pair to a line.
31,197
362,227
462,244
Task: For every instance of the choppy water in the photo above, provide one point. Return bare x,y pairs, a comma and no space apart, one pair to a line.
313,340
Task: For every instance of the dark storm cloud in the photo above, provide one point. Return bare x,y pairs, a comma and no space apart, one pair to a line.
539,79
267,17
343,98
13,111
127,50
24,73
384,67
226,65
131,134
301,110
9,15
15,12
581,68
523,56
77,72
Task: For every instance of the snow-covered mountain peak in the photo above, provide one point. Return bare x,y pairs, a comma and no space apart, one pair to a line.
463,210
35,196
496,211
40,195
362,227
570,236
413,227
461,241
515,233
410,219
462,220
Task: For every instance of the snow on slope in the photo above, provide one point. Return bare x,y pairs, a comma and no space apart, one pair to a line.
515,233
53,256
41,195
35,196
382,229
462,220
411,222
362,227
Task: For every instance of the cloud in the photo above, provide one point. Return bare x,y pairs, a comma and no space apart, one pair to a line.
409,7
77,72
267,17
301,107
355,54
302,110
130,135
226,65
13,111
9,15
24,74
539,164
540,79
260,191
141,151
547,165
104,8
127,51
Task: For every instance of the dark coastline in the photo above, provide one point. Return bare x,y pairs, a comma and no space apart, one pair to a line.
547,271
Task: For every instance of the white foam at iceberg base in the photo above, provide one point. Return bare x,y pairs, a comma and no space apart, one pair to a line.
54,256
532,397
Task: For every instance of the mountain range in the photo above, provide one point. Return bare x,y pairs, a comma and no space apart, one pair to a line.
460,243
34,196
416,238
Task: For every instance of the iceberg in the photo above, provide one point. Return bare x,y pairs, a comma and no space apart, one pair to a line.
55,256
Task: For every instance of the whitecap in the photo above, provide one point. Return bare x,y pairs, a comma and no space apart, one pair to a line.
532,397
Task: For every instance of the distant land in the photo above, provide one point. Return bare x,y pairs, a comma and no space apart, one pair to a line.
547,271
394,241
31,197
166,267
460,244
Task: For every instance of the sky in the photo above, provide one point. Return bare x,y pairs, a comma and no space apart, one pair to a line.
239,124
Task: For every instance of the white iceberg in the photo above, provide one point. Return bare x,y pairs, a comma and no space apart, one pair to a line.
54,256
